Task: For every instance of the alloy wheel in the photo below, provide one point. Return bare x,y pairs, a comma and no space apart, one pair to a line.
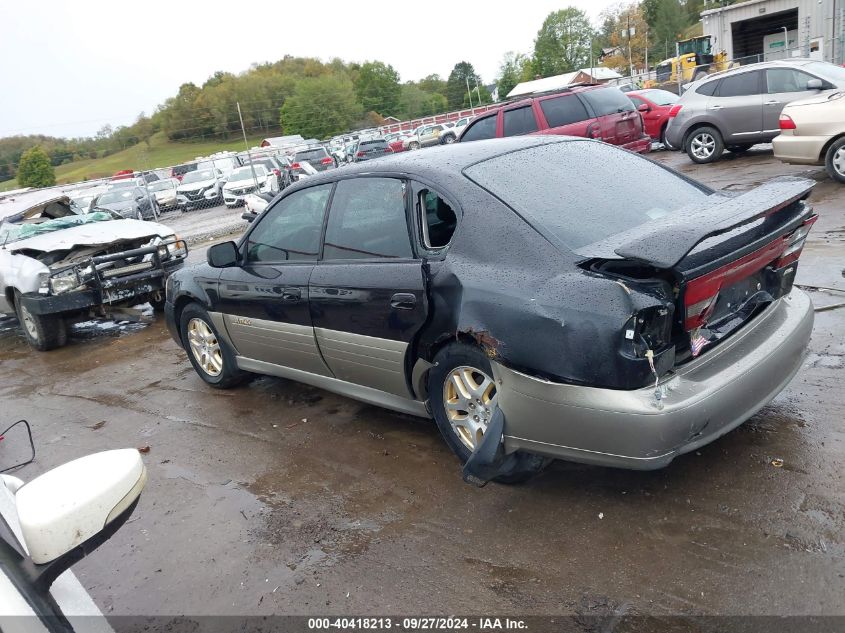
838,161
205,347
703,145
469,397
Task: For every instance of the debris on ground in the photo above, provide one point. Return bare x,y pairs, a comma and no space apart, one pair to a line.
97,426
144,449
777,462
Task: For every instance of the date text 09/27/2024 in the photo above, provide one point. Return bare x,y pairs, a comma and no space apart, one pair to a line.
417,623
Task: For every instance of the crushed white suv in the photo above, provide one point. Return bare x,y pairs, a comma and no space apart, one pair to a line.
58,266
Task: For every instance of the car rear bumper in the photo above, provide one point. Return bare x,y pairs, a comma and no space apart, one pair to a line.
802,150
640,146
700,401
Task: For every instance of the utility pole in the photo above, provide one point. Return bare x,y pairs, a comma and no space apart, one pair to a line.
246,147
146,188
469,92
477,90
630,59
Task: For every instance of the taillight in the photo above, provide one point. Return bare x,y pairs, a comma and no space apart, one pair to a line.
702,292
786,123
594,130
673,111
360,154
795,243
387,150
276,172
326,161
295,166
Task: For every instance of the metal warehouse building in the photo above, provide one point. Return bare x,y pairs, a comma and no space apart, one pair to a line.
773,29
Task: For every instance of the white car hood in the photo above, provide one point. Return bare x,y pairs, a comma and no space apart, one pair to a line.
202,184
241,184
92,234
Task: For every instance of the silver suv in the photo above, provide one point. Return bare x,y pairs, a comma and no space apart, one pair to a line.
738,108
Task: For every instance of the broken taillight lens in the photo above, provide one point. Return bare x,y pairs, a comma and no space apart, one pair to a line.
673,111
795,243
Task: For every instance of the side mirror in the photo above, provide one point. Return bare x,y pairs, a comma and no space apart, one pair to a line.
249,216
223,255
644,107
71,510
814,84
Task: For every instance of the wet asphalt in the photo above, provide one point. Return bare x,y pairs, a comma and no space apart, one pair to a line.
278,498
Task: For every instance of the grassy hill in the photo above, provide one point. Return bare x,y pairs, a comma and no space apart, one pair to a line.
160,153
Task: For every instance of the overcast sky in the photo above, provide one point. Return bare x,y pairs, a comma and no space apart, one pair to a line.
68,68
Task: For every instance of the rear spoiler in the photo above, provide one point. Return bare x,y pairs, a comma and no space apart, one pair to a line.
666,242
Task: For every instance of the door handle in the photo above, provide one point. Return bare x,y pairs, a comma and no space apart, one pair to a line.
291,294
403,301
772,102
714,107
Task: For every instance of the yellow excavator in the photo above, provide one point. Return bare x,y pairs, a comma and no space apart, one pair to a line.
695,59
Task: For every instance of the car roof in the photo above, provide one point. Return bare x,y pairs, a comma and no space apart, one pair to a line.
795,62
441,161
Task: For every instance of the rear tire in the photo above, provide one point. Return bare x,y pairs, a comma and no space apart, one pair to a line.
464,428
43,332
448,139
208,352
413,145
666,144
704,145
834,161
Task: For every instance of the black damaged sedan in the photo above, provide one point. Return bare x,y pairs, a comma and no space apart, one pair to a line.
539,298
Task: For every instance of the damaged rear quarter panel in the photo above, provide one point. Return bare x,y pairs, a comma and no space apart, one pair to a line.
529,305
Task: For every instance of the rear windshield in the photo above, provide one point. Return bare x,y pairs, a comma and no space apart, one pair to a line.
564,188
371,144
181,170
607,101
311,154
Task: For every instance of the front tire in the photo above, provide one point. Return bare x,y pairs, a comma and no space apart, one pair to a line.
43,332
209,354
448,139
834,161
704,145
413,145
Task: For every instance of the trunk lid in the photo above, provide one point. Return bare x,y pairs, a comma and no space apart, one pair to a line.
725,259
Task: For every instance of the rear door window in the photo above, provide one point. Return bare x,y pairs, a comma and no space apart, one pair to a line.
606,101
520,121
368,220
707,89
480,129
741,85
564,110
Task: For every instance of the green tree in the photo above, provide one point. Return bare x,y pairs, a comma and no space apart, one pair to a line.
563,42
320,107
35,170
378,89
511,72
480,95
433,84
456,85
